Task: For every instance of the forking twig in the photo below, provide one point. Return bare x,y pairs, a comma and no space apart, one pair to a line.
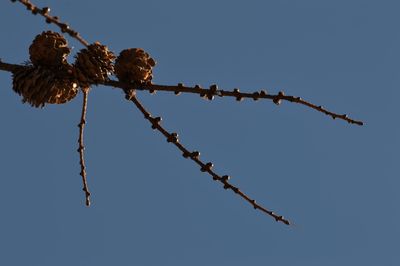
194,156
214,91
208,93
130,90
66,29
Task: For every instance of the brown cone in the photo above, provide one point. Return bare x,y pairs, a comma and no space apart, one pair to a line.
134,65
93,64
49,49
40,85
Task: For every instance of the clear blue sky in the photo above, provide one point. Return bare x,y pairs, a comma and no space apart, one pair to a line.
338,183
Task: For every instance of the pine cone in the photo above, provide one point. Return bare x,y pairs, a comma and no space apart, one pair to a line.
49,49
40,85
134,65
93,64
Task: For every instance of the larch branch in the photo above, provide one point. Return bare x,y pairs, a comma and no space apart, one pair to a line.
81,146
194,156
276,98
52,19
214,91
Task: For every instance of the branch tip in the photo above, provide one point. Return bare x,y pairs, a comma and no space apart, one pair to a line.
81,146
52,19
204,167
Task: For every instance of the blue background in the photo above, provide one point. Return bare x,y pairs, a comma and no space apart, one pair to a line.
337,182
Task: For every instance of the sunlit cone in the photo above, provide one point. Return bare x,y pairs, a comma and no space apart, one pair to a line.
93,64
41,85
49,49
134,65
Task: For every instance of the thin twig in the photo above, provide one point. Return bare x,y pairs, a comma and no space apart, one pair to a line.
81,147
214,91
194,156
52,19
155,122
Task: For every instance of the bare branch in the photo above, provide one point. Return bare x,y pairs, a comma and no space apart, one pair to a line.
81,147
52,19
214,91
194,156
173,137
130,94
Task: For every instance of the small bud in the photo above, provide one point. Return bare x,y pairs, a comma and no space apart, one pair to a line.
212,91
207,167
195,155
173,137
263,92
73,33
45,10
29,6
239,97
214,88
64,27
155,121
277,100
256,96
177,92
225,178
